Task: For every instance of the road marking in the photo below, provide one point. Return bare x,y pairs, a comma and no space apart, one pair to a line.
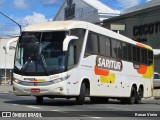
26,97
120,109
55,110
97,117
34,107
86,116
91,117
59,111
15,104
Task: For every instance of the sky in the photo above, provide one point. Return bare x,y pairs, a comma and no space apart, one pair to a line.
28,12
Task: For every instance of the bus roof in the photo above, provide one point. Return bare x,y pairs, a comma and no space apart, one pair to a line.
66,25
56,26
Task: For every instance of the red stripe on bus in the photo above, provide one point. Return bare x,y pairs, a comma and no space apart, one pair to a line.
100,71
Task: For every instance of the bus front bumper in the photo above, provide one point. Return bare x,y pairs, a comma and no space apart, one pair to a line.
21,90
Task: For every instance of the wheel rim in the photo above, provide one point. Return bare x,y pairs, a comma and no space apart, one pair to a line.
140,94
133,98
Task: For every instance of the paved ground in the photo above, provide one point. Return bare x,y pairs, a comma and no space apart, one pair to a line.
6,88
10,102
88,111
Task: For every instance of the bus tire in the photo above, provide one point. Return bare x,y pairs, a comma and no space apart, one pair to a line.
132,98
81,98
139,96
39,100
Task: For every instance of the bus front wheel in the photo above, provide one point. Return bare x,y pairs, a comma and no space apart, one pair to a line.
81,98
39,100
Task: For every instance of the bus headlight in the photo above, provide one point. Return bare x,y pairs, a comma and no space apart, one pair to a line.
52,81
62,79
17,81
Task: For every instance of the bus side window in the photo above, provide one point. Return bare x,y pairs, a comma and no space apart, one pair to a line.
129,48
104,46
124,51
134,50
114,48
144,56
108,47
80,33
138,55
150,57
71,56
119,50
92,44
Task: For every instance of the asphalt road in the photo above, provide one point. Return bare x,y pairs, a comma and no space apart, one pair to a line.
68,110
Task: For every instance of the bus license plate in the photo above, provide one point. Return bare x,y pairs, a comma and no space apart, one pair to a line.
37,90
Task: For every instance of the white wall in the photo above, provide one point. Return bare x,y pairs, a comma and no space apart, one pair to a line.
6,60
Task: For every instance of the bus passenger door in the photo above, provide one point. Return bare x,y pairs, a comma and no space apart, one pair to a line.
72,70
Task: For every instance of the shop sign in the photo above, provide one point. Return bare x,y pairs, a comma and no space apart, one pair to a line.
69,11
141,31
146,29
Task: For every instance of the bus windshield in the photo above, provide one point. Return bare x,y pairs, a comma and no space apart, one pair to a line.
40,53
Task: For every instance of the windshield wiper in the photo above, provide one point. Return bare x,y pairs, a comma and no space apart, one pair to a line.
44,64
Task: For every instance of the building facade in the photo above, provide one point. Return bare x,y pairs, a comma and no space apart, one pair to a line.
6,60
141,23
92,11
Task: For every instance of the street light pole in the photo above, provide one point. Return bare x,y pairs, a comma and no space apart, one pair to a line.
12,21
5,70
5,48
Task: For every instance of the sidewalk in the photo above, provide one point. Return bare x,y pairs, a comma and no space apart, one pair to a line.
6,88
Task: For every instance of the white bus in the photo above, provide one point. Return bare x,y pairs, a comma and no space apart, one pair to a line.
75,59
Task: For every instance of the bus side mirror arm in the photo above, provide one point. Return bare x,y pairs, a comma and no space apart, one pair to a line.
8,44
67,41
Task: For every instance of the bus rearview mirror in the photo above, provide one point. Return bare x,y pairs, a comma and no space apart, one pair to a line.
67,41
7,46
